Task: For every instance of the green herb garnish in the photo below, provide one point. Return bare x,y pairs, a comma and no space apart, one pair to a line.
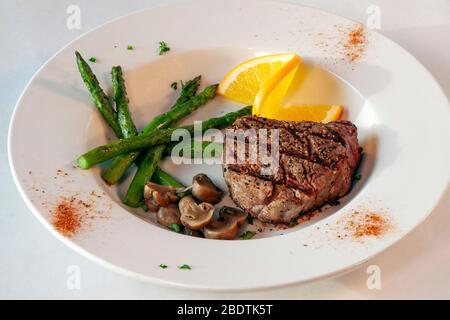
163,266
292,224
130,47
174,85
175,227
185,267
247,235
357,176
92,59
163,47
249,219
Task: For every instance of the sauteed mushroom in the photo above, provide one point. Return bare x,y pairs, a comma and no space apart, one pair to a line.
205,190
195,216
226,227
168,215
156,196
237,214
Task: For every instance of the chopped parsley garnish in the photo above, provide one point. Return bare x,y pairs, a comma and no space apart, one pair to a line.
247,235
175,227
163,47
92,59
163,266
174,85
357,176
249,219
185,267
130,47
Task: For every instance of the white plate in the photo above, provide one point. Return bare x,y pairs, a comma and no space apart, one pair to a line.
402,115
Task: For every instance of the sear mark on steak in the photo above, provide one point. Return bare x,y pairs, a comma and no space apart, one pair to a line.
316,165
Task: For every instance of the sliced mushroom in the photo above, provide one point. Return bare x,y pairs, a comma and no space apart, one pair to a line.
237,214
224,228
205,190
195,216
156,196
168,215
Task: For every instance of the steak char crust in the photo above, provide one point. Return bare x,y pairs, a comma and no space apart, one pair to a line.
316,165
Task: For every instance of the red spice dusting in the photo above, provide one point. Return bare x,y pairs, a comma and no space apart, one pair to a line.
72,211
373,225
70,214
355,43
67,219
359,225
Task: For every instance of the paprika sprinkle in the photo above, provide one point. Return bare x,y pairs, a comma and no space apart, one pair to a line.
355,44
66,218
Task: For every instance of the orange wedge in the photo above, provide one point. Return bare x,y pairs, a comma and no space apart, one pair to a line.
317,113
263,83
243,83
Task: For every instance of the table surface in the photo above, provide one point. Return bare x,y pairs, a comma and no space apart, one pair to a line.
33,264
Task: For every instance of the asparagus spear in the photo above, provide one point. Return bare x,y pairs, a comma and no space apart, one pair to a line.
189,89
151,159
134,195
202,145
183,106
124,119
182,110
146,169
108,151
98,95
163,178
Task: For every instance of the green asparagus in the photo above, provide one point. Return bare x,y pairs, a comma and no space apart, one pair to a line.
183,106
202,145
149,162
124,119
163,178
162,136
134,195
98,95
126,125
182,110
187,92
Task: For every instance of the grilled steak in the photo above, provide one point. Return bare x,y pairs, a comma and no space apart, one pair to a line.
316,165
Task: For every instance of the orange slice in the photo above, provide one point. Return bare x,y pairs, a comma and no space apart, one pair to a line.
317,113
243,83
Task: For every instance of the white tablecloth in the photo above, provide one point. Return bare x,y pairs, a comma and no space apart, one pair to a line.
33,264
